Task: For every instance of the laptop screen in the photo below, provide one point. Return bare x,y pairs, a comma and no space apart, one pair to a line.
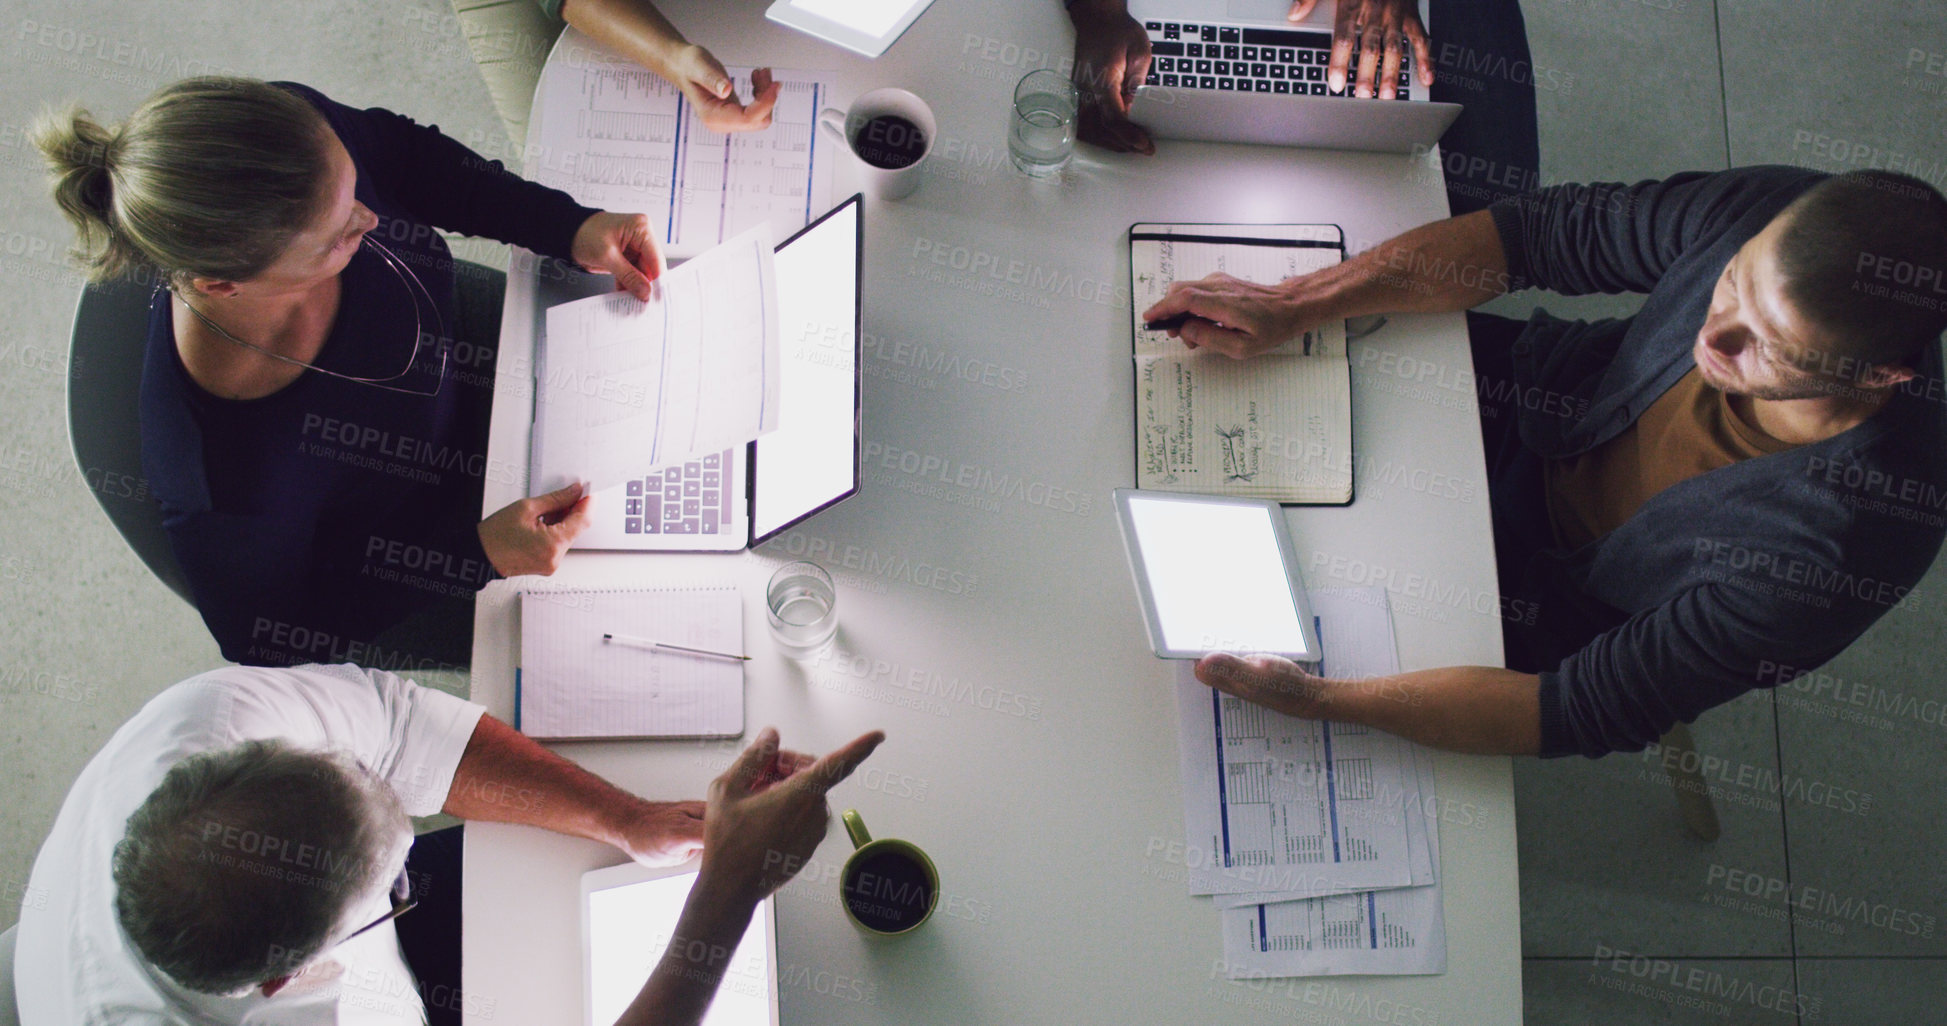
811,460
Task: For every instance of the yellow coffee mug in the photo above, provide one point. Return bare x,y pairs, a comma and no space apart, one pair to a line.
889,886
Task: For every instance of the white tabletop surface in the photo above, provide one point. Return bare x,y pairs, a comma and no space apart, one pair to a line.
1031,735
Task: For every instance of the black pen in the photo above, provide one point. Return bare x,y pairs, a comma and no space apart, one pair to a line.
1175,322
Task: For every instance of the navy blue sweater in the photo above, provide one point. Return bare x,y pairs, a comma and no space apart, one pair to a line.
1740,578
312,519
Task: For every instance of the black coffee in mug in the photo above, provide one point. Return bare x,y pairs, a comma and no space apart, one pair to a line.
888,891
889,141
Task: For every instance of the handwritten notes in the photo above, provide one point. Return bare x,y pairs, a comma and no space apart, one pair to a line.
1278,426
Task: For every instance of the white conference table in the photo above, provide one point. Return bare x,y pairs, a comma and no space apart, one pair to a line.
1032,740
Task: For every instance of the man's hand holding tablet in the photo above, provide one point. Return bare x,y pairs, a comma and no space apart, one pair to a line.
1219,575
1273,682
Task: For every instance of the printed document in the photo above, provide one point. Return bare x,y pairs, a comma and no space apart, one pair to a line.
1275,804
1397,932
623,387
1299,921
616,136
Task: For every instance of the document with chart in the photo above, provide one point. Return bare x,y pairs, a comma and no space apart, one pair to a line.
622,386
1401,931
1289,926
616,136
1281,806
1277,426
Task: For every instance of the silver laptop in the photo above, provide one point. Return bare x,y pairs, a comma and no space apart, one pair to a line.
1237,71
732,500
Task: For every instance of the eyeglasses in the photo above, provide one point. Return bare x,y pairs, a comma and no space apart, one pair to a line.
402,903
415,290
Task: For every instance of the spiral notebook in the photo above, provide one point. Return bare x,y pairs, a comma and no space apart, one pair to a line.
572,685
1277,426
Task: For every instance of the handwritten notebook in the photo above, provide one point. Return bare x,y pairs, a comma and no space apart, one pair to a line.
573,686
1276,426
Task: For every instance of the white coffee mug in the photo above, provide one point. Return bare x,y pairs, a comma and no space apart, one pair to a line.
883,182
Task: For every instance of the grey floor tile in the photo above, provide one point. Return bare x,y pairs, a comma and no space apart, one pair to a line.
1605,862
1625,90
1608,987
1866,735
1827,86
1873,990
1642,96
88,634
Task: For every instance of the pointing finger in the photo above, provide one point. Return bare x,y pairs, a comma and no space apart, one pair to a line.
824,774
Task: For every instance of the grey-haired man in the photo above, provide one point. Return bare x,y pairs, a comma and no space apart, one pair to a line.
234,854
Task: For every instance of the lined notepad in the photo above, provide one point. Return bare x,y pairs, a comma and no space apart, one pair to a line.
572,685
1276,426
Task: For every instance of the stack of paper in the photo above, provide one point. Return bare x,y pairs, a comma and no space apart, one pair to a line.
1314,838
622,386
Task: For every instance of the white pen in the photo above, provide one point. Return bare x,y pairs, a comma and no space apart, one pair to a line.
630,639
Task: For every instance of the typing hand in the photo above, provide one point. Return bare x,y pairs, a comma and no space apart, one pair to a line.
1111,60
663,833
621,245
1267,680
767,813
711,92
1376,25
530,536
1237,318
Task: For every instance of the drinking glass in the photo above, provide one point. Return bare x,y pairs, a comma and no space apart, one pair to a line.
801,605
1041,128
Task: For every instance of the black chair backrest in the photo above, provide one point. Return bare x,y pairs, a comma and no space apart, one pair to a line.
104,418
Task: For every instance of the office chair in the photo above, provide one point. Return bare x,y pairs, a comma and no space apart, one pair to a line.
111,328
9,1008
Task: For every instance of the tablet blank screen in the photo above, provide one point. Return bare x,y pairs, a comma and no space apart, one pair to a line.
871,17
1216,577
628,928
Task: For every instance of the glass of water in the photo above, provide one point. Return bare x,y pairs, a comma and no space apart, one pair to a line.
802,607
1041,129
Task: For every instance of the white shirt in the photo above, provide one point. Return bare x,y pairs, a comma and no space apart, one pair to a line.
74,966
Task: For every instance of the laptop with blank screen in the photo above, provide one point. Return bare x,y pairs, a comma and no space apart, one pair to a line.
735,499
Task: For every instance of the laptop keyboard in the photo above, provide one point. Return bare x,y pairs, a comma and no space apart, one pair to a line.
1238,59
689,498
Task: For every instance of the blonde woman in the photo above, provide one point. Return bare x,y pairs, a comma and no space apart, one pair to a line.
315,393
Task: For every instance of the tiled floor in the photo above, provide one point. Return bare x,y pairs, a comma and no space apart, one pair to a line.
1829,790
1825,899
88,634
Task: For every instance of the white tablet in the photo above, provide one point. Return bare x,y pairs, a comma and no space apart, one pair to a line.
862,26
1215,574
629,914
